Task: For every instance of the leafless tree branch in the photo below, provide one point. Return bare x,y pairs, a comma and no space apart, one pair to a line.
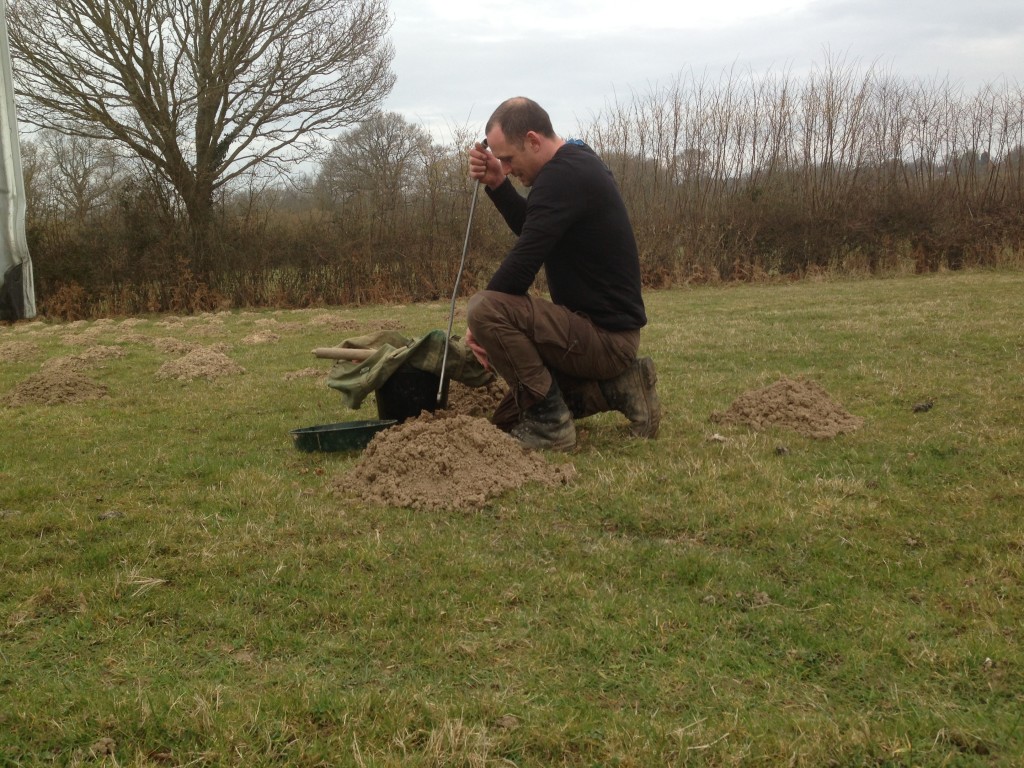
201,90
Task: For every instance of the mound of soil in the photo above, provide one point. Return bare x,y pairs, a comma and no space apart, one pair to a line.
172,346
56,386
132,337
64,364
475,401
798,404
261,337
18,351
202,363
446,461
88,336
88,358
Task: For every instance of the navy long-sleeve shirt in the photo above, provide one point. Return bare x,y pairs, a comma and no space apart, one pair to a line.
574,224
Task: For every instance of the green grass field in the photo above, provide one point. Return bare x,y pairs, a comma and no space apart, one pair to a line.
180,587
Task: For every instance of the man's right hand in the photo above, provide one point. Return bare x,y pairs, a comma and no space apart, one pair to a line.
485,167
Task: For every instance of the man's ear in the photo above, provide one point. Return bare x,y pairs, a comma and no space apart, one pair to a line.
532,140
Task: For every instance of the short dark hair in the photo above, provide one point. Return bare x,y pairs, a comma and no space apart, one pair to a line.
517,117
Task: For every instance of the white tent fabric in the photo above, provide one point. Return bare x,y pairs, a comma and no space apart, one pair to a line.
17,290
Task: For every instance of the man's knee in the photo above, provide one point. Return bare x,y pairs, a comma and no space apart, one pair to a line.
488,309
478,309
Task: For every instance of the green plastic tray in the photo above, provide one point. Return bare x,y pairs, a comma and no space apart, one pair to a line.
342,436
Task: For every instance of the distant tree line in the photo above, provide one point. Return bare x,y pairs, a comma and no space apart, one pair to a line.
841,169
734,177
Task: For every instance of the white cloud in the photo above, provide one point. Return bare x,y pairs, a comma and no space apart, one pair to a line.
457,59
573,18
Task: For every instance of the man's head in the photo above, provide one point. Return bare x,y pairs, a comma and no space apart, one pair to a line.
520,135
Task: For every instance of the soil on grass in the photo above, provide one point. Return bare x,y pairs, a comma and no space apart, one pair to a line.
202,363
18,351
261,337
798,404
305,373
55,386
334,323
171,346
88,358
475,401
87,337
446,461
64,379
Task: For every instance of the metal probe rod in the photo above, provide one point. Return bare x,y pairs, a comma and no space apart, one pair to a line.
455,292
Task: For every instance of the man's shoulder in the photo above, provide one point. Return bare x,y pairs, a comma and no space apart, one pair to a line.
576,149
575,157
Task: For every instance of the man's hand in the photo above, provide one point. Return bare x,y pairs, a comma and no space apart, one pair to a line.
478,352
485,167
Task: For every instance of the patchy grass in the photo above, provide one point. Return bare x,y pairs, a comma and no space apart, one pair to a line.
180,588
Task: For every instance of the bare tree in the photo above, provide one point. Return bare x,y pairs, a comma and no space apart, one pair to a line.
376,163
81,173
33,169
203,91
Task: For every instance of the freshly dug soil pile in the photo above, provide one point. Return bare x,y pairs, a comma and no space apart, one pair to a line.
203,363
261,337
132,337
83,360
64,364
172,346
446,461
55,386
334,323
475,401
798,404
99,353
18,351
88,336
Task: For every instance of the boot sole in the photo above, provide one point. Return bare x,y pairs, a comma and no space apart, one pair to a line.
535,444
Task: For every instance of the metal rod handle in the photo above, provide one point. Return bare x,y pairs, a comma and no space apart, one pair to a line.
455,292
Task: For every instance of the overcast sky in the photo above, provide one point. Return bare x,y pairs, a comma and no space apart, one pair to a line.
457,59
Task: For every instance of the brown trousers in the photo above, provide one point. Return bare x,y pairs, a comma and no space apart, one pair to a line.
529,341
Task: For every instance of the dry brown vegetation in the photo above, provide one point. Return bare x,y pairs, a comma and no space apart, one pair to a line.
739,177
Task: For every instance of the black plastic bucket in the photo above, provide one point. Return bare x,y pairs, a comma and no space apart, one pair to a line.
408,392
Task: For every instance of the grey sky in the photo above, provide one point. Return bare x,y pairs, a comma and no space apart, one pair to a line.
457,59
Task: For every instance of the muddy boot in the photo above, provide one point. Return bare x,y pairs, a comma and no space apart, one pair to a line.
507,414
633,393
547,425
583,397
